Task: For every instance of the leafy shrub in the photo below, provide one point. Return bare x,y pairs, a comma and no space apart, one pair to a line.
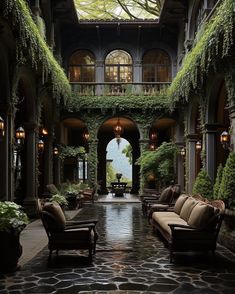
227,187
203,185
218,181
59,198
159,163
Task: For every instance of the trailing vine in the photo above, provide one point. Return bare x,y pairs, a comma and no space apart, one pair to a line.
71,151
30,43
153,103
197,62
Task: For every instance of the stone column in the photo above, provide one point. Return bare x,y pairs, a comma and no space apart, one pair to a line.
4,159
31,170
48,159
144,145
137,76
180,170
99,73
92,163
191,161
210,138
232,130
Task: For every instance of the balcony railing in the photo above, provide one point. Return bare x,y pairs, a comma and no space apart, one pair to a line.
118,89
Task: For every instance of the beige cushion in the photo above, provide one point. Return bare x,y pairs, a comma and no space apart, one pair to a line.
57,212
166,218
180,202
166,195
187,208
200,215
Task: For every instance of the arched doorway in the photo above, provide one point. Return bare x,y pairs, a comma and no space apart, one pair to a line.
119,162
105,135
74,133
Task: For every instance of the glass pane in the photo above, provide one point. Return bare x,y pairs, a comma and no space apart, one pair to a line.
80,170
148,74
82,57
125,74
88,74
156,56
163,74
111,74
75,74
118,57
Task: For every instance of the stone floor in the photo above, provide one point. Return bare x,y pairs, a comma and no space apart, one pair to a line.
130,258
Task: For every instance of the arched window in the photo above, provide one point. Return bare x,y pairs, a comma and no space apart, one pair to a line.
82,67
156,66
118,67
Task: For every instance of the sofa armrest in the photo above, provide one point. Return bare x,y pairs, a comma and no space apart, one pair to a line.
178,226
81,222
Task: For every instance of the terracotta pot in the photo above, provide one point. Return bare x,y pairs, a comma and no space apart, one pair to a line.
10,251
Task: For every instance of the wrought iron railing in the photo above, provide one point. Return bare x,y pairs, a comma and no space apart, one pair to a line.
118,89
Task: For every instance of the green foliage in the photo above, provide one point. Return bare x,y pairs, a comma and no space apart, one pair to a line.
69,188
31,44
12,218
121,9
71,151
110,174
127,102
127,151
227,187
203,185
159,163
218,181
214,43
59,198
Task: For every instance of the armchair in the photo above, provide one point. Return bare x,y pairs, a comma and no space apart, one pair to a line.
63,235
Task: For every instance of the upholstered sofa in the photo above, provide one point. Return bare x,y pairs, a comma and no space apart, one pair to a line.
191,225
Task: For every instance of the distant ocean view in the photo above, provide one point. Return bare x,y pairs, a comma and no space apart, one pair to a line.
120,161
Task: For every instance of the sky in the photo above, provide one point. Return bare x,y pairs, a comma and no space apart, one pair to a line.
120,161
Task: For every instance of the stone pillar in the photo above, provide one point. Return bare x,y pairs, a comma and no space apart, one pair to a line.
210,138
99,73
31,171
48,159
191,161
92,163
4,159
180,169
144,145
232,130
135,173
56,170
137,76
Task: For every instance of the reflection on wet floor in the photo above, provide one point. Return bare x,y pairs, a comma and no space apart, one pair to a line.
130,257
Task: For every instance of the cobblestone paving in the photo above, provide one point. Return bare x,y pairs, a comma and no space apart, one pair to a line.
130,258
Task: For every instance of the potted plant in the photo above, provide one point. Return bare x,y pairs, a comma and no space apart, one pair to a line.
60,199
12,221
203,185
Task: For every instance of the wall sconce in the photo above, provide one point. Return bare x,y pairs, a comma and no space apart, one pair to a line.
43,132
40,146
225,140
198,146
55,151
2,127
86,136
182,151
152,147
153,136
20,136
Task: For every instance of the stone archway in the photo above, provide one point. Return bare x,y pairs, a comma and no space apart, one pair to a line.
105,135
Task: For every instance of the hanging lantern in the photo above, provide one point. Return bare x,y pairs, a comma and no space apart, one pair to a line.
43,132
183,152
40,146
152,147
2,127
118,130
153,136
198,145
20,136
86,136
55,151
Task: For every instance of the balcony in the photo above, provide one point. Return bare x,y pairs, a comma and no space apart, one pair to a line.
119,89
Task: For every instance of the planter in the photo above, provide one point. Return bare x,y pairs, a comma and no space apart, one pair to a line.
72,200
227,231
10,251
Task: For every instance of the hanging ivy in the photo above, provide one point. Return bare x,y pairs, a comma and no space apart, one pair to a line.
71,151
77,103
30,43
213,43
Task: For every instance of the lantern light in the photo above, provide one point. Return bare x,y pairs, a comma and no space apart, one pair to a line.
198,145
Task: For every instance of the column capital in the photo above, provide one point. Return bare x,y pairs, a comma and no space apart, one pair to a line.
212,128
192,137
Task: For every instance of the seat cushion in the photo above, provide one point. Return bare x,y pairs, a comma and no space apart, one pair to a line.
57,212
187,208
166,218
166,195
200,215
179,203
